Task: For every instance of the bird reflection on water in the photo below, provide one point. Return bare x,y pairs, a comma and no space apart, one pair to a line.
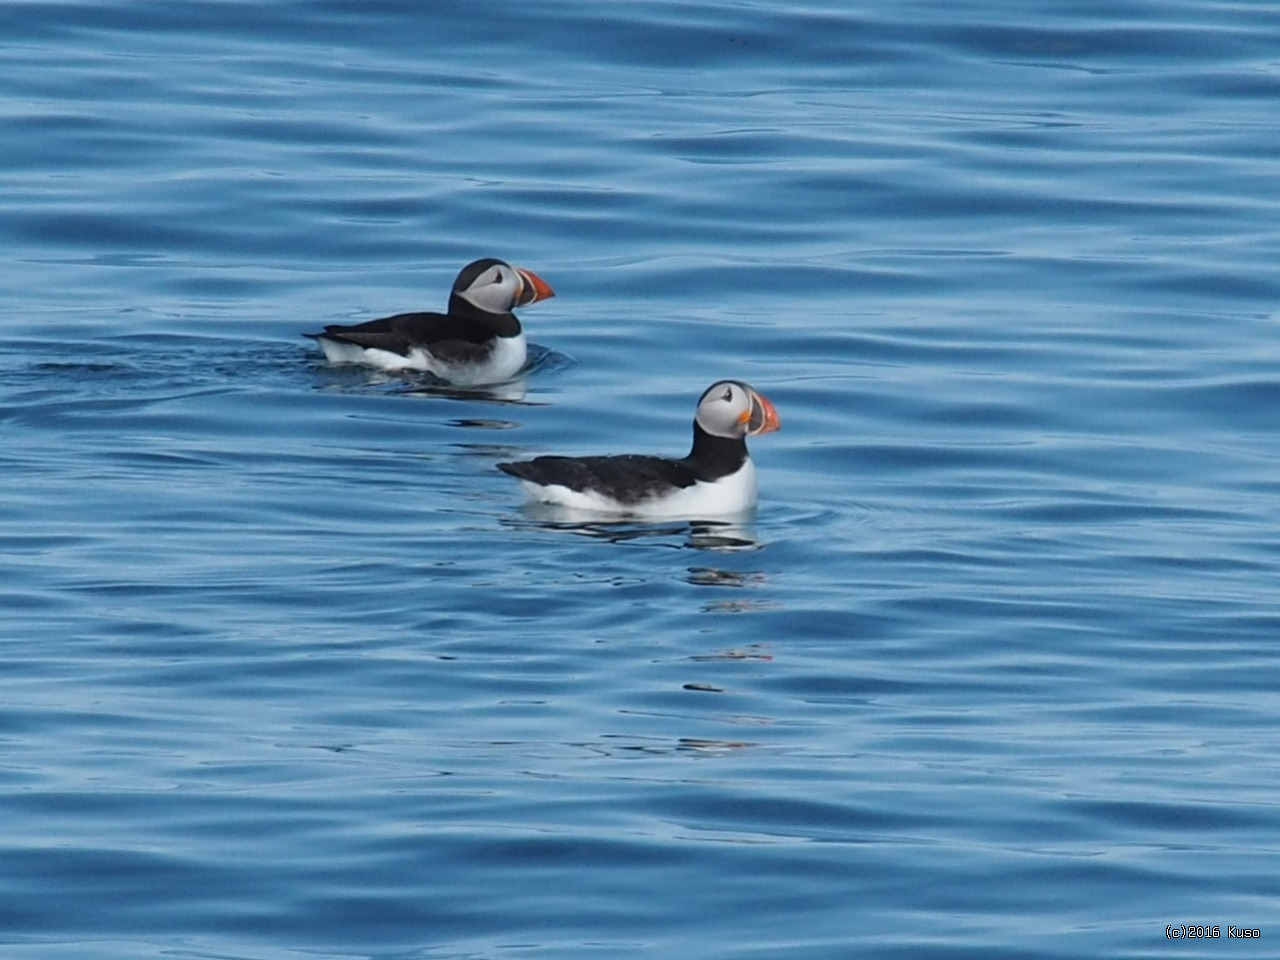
715,535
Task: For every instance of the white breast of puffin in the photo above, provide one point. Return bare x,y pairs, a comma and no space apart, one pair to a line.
504,362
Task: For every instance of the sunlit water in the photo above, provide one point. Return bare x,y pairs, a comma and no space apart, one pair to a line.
288,670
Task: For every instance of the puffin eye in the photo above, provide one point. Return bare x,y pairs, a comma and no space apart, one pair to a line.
728,394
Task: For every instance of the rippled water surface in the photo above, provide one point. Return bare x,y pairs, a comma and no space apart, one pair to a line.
288,671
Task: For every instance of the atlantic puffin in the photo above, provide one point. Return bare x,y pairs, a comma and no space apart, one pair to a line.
717,478
478,341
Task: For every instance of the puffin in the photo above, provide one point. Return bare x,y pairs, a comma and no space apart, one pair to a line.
478,341
717,478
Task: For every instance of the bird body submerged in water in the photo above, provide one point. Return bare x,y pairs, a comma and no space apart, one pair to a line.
478,341
717,478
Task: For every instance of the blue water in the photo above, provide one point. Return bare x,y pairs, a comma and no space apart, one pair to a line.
286,669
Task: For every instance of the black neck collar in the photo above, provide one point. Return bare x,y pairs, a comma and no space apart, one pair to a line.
503,324
714,457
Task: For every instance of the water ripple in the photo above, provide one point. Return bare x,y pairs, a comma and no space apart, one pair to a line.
290,670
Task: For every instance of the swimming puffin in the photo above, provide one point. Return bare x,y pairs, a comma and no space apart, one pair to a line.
478,341
717,478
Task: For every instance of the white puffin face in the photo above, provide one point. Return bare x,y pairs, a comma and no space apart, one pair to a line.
730,408
497,287
494,289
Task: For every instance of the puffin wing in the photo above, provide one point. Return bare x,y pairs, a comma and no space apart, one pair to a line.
445,336
628,479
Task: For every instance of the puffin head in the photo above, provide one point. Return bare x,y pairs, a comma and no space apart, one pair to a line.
732,409
497,287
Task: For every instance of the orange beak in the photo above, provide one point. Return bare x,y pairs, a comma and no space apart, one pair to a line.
532,288
762,417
